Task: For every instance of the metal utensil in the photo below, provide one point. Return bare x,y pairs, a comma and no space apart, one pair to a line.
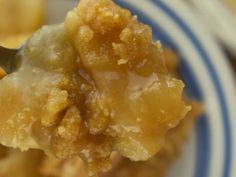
54,14
8,59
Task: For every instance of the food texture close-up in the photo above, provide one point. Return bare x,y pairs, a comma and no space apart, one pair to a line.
117,88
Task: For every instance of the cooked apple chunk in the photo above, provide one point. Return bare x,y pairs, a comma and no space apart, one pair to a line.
88,87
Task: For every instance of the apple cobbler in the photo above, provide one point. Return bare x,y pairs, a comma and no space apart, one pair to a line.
92,90
156,166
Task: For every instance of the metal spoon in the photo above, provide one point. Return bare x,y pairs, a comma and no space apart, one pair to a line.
54,14
8,59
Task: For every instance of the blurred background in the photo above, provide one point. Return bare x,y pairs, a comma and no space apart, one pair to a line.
220,18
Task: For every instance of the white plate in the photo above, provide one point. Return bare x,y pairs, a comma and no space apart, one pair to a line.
219,20
210,151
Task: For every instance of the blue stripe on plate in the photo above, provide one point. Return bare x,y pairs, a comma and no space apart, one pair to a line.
203,141
202,127
213,74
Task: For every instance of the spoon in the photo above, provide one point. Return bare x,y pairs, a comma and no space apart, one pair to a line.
8,59
54,14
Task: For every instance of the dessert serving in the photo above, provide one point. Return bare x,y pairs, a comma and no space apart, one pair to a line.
91,92
157,166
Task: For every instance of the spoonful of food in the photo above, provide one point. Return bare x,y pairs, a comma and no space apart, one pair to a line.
94,84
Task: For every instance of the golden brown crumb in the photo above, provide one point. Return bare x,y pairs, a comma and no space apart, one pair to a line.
122,61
